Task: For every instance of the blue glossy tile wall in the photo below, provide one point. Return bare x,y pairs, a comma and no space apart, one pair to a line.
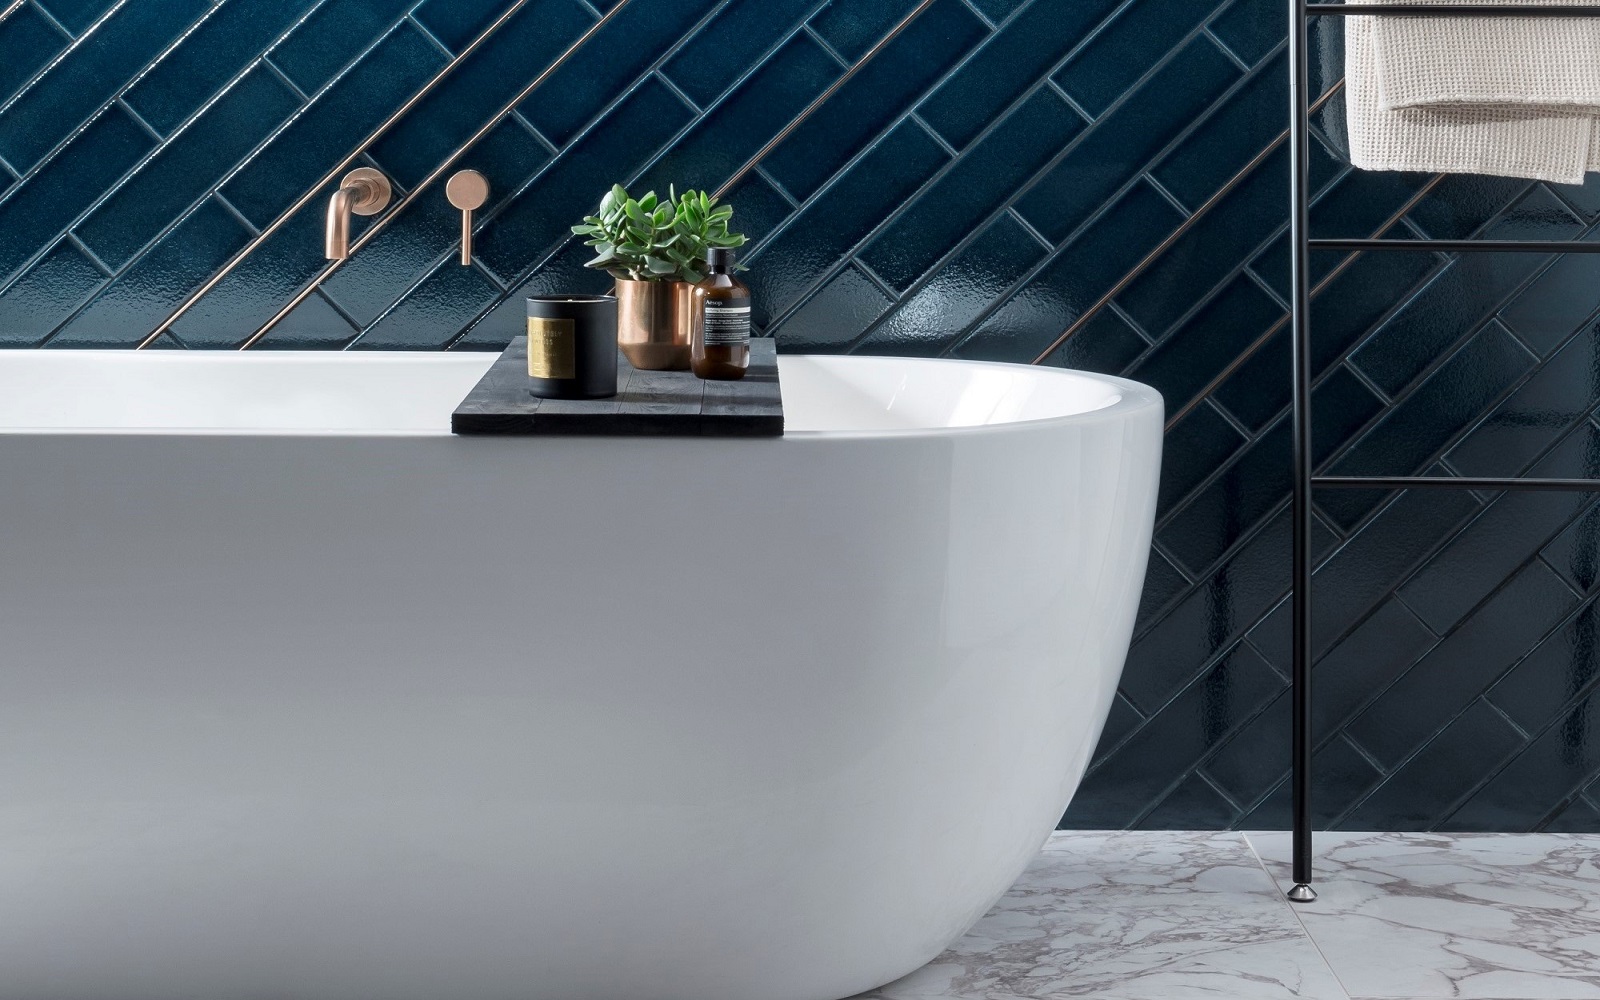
999,174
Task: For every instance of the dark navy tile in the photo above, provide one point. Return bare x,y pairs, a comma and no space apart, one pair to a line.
1540,411
1251,30
35,213
1194,804
1199,718
259,286
29,41
1553,767
540,221
1163,582
723,52
1208,253
1583,198
455,23
608,64
1425,421
335,33
1343,775
1013,58
1367,567
1211,618
727,136
1578,816
131,306
478,87
1564,667
1257,479
1107,344
563,273
426,234
1575,553
1455,303
76,15
851,27
77,87
1207,341
432,315
929,319
1077,276
1272,263
1380,649
758,208
1558,302
46,295
1441,684
332,126
1232,135
219,49
998,10
1136,38
1196,447
1421,793
874,98
1464,294
1340,316
976,184
849,303
1499,540
1461,203
186,168
1114,148
827,229
311,326
1121,722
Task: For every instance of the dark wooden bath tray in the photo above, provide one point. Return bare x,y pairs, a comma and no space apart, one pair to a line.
645,403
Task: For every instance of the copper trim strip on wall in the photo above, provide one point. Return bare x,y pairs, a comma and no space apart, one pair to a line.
832,88
1317,289
381,222
749,164
1183,227
332,175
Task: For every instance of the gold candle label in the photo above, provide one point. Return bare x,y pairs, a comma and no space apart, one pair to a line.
552,348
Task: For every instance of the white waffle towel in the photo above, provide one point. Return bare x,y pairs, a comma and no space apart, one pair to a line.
1514,97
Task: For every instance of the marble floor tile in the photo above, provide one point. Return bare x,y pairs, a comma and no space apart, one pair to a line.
1470,916
1132,916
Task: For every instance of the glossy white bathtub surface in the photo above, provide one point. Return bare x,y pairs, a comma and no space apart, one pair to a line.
304,697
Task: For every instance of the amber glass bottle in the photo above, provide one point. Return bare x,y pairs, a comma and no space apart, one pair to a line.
720,348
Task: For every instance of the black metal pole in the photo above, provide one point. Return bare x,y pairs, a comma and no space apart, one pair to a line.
1300,338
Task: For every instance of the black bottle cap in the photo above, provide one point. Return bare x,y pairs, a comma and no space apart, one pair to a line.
719,256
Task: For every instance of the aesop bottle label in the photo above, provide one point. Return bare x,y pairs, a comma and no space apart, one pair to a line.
727,324
552,348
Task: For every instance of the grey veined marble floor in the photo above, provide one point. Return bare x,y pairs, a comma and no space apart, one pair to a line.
1175,916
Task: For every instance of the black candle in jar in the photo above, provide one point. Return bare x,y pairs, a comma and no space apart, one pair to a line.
572,346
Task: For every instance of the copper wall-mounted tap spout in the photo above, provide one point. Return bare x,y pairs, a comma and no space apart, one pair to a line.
364,191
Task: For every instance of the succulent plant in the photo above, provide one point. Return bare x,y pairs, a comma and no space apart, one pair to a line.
651,239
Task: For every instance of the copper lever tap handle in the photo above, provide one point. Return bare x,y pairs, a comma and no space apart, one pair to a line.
467,190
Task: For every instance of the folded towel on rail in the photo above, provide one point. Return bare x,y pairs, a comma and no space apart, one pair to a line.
1514,97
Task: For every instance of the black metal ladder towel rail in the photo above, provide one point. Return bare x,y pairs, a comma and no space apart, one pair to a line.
1300,11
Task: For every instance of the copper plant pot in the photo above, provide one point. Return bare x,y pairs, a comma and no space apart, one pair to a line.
654,319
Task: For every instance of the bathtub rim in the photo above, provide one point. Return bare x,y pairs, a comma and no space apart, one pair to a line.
1132,397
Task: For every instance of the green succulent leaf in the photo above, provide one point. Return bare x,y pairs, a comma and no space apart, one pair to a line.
651,239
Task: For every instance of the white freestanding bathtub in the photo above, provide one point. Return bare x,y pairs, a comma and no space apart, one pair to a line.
302,697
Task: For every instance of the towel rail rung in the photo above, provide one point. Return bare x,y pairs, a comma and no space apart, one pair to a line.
1457,483
1460,246
1448,10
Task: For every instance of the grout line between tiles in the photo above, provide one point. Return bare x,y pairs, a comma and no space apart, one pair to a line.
1294,912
